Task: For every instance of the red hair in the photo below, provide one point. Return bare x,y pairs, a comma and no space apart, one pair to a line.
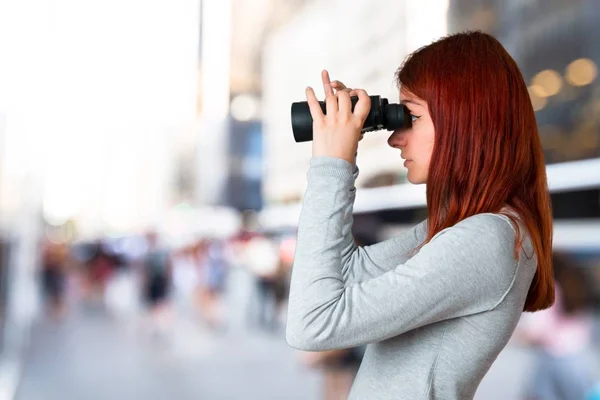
487,152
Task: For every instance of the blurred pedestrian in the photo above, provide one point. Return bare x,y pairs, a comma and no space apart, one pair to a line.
157,285
213,272
54,259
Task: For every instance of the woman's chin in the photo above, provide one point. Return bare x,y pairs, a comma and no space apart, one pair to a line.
415,179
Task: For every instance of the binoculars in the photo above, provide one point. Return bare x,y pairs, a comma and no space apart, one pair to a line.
382,115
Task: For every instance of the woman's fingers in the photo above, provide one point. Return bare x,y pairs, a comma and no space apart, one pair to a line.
363,106
331,103
344,103
351,92
326,83
337,128
340,100
340,91
313,105
337,85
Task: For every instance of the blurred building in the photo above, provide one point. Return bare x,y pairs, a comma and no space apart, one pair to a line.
229,163
244,186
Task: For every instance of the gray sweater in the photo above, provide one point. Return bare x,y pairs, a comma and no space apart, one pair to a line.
434,321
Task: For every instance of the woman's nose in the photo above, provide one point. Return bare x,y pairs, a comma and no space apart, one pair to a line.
397,139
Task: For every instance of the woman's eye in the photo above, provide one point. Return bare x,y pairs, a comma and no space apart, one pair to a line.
413,118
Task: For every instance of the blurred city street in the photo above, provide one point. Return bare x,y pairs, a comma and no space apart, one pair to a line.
94,356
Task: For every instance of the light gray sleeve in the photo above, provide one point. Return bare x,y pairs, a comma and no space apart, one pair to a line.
366,262
465,269
360,263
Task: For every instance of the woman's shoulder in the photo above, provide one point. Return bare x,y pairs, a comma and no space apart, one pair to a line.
505,224
480,247
496,222
485,225
494,233
489,236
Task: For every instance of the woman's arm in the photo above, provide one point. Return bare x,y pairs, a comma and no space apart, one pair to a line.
360,263
465,269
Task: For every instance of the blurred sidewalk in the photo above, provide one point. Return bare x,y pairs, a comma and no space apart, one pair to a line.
95,357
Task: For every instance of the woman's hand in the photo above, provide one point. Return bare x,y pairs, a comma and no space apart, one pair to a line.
336,133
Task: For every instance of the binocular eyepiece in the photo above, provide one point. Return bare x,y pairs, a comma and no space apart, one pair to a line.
382,115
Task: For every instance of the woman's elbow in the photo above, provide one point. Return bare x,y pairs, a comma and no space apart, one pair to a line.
302,338
312,328
300,342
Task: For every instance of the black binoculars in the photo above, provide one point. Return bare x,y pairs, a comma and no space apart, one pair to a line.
383,115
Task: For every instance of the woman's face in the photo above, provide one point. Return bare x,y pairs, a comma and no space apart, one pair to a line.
416,142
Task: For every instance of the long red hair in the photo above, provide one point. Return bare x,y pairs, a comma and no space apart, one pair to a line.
487,152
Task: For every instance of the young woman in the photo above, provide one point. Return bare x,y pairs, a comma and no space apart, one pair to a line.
437,304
